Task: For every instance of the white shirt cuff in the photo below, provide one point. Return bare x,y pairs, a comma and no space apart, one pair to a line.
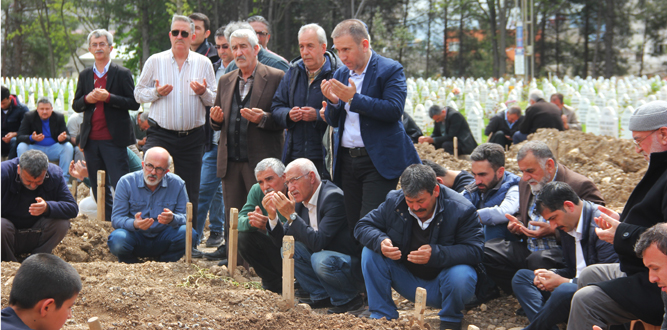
273,222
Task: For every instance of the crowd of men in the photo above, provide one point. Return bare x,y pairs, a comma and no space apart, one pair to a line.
315,149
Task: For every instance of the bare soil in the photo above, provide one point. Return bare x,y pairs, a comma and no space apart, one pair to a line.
156,295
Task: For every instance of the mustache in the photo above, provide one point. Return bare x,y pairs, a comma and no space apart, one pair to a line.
240,57
420,210
268,191
152,176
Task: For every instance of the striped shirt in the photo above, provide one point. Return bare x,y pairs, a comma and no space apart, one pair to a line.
182,109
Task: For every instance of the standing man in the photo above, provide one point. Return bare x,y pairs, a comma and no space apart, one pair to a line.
264,56
201,44
299,97
503,125
36,205
569,116
449,123
46,131
179,83
12,115
365,100
263,30
224,53
617,293
540,114
242,114
105,93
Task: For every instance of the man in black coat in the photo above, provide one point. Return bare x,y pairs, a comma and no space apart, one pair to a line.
449,123
540,114
618,293
104,94
503,125
12,115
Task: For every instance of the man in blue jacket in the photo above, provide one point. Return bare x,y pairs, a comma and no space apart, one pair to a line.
366,101
425,235
36,205
12,115
299,97
545,295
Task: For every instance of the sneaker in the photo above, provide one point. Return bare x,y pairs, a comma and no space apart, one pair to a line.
218,254
322,303
355,304
214,239
450,325
223,262
197,254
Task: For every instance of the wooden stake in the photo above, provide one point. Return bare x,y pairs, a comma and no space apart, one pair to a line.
232,245
288,270
101,195
420,305
94,323
188,233
472,327
456,147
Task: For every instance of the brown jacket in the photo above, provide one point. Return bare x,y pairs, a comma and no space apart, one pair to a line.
264,139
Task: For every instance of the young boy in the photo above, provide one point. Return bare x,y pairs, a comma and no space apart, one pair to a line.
43,293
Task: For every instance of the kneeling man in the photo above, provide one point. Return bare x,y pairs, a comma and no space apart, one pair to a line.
326,258
424,235
149,212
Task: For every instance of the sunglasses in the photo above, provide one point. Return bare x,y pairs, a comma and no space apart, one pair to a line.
262,33
221,46
184,34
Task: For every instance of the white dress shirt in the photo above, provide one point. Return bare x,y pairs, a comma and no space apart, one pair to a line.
578,233
311,205
424,224
352,132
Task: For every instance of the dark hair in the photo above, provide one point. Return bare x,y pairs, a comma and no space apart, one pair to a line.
203,18
34,162
539,149
352,27
5,93
491,152
417,178
434,110
559,96
220,32
553,195
437,168
261,19
656,234
514,110
43,276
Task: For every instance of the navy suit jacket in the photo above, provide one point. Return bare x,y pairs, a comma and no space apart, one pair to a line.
380,107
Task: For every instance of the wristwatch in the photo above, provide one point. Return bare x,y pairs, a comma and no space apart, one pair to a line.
292,217
349,102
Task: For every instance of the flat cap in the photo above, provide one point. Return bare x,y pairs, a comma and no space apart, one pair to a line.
649,116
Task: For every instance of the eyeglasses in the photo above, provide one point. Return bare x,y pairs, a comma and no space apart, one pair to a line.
101,45
262,33
637,143
150,168
221,46
184,34
293,180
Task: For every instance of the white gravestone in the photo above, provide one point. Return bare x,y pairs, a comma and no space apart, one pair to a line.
593,120
608,122
625,123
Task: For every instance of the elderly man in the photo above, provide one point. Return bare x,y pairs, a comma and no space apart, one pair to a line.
617,293
202,31
104,94
36,205
365,100
264,56
495,191
545,294
540,114
326,258
179,84
296,103
242,114
46,131
424,235
455,180
449,123
538,246
12,115
263,30
503,125
568,115
149,212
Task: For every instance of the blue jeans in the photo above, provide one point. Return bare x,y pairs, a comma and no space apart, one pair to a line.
326,274
210,195
168,246
62,152
544,309
519,137
450,290
498,231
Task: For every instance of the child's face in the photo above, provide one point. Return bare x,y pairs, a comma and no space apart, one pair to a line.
56,318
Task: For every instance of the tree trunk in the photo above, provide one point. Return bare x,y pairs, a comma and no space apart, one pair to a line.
494,36
645,34
587,31
596,51
16,17
543,51
462,10
557,46
46,29
609,40
428,38
145,34
405,24
503,38
72,51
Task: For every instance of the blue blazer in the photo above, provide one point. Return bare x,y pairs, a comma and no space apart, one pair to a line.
380,107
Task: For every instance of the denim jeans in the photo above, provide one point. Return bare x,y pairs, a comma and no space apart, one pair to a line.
210,195
326,274
62,152
168,246
519,137
450,290
544,309
498,231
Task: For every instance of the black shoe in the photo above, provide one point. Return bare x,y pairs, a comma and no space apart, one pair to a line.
219,254
301,293
323,303
450,325
197,254
214,239
355,304
223,262
520,312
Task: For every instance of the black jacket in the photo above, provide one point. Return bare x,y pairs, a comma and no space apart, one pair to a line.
542,114
209,51
12,120
454,125
414,132
32,123
498,123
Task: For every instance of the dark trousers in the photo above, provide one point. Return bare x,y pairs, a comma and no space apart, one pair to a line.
499,138
364,188
503,259
448,146
236,184
187,152
42,237
259,251
9,149
104,155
